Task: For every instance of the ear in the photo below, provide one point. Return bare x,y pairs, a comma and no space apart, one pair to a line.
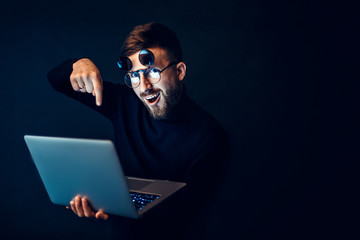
181,70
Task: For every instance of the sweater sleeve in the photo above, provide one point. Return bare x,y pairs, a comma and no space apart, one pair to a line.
59,76
59,79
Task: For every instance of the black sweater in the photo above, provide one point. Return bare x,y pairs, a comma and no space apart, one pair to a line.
189,146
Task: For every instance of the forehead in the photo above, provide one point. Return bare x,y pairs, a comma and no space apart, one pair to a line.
161,58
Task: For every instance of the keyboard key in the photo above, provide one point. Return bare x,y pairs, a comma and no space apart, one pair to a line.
142,199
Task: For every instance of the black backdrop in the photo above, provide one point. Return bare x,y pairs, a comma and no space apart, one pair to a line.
279,76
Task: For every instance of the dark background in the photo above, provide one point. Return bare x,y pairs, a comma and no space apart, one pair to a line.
281,78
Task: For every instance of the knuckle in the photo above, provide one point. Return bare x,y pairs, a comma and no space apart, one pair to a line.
93,74
84,76
74,75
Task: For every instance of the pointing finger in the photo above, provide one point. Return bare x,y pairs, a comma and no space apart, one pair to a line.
98,91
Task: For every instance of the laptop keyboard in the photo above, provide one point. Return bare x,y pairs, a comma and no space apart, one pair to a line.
142,199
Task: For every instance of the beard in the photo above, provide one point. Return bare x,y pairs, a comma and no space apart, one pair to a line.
171,98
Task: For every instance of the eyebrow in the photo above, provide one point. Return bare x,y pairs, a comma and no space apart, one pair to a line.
138,70
152,66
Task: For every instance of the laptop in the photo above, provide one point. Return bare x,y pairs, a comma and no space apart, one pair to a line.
91,168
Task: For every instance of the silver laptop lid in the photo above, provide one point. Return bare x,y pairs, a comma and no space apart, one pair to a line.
91,168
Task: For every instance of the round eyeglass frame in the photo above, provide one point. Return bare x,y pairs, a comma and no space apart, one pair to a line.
146,72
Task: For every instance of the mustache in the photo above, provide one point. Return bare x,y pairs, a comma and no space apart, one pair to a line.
149,91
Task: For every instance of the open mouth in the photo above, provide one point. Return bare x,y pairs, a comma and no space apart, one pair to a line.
152,99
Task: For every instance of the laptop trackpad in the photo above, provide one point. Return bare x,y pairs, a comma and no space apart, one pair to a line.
137,184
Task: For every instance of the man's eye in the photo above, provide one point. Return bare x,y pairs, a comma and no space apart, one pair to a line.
154,73
134,75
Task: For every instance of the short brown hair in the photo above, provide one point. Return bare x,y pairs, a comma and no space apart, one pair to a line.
151,35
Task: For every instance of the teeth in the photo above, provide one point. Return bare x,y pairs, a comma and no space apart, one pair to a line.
152,96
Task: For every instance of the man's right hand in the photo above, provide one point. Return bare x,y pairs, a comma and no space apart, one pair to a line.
86,77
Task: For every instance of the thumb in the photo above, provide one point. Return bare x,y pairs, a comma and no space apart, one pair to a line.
101,215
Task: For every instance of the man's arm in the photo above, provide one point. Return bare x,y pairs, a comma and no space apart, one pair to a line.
74,78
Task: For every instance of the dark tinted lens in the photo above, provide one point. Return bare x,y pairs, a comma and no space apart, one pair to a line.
124,63
146,57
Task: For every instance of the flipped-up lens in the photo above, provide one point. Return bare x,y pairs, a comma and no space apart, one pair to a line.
124,63
146,57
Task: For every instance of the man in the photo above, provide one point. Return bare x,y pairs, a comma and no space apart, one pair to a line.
159,132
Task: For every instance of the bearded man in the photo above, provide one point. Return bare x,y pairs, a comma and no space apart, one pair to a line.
160,132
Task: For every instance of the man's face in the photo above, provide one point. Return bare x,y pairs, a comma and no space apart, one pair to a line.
159,98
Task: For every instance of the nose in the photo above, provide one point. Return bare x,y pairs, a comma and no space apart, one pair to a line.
144,83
